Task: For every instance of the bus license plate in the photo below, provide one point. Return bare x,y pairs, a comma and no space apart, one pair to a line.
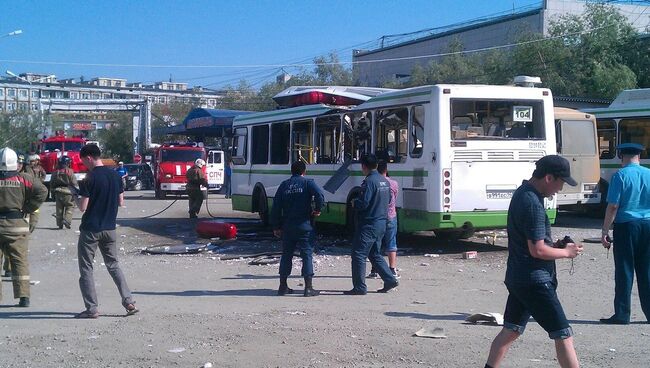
499,194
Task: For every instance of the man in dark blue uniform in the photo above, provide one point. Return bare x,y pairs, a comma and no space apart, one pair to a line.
371,209
291,218
628,207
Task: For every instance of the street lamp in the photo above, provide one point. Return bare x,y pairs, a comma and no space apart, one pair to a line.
39,80
14,33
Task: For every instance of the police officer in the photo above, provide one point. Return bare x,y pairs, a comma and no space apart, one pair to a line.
291,217
36,171
628,208
20,195
195,179
371,209
62,180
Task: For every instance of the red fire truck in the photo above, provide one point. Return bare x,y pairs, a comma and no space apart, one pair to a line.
52,148
171,161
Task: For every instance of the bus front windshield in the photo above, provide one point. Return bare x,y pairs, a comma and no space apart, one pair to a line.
181,155
482,119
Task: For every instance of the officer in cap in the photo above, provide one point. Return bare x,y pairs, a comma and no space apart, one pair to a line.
20,195
62,180
628,208
195,179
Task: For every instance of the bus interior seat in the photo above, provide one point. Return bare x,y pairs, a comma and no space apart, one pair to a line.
518,132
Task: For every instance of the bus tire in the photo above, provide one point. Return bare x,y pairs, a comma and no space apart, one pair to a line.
260,203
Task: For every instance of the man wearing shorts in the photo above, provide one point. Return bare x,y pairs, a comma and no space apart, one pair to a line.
531,277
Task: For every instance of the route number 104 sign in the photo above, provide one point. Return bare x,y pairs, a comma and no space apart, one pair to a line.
522,113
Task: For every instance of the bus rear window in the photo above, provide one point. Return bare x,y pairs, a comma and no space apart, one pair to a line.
180,155
474,119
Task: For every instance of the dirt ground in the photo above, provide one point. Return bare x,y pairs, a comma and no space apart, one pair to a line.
198,309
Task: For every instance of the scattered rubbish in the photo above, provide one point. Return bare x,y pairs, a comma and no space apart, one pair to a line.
175,249
58,244
495,319
207,365
176,350
34,282
432,255
612,350
535,360
266,259
460,270
424,264
52,251
416,302
297,313
433,333
93,337
472,254
592,240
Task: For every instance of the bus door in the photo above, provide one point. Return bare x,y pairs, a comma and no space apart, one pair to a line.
576,141
215,169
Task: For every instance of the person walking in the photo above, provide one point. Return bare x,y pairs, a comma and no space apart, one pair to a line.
20,195
62,180
195,179
121,170
371,211
628,208
531,275
389,241
100,194
228,181
291,217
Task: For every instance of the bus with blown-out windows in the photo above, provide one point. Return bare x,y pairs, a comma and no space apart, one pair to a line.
458,152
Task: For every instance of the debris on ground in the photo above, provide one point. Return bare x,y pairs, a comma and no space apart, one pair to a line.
176,350
433,333
495,319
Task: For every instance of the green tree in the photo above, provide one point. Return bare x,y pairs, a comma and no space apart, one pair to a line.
166,115
117,141
21,130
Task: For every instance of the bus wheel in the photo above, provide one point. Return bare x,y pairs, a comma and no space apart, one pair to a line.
263,209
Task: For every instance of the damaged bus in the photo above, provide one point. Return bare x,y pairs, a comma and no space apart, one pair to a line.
458,152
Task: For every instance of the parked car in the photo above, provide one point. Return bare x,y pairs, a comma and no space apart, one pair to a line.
140,177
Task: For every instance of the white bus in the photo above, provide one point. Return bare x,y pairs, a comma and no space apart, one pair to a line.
458,152
626,120
575,132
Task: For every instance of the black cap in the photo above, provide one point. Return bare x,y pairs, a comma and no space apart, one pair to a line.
630,148
555,165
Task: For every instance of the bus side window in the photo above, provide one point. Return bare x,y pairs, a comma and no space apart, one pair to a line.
606,138
391,134
416,126
280,143
357,130
260,145
328,139
302,145
239,146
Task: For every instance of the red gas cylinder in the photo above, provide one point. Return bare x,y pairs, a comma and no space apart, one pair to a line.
216,229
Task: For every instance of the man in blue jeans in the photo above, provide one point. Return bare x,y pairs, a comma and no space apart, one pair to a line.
531,277
100,194
291,217
389,241
628,207
372,210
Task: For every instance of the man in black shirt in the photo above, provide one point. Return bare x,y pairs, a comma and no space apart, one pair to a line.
530,276
100,194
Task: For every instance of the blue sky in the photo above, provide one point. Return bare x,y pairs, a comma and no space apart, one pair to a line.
165,37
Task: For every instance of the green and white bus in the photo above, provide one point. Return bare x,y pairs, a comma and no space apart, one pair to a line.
626,120
458,152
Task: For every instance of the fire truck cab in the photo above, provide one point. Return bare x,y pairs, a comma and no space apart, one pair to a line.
171,162
52,148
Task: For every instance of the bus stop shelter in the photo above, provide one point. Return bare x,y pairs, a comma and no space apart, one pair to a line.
201,123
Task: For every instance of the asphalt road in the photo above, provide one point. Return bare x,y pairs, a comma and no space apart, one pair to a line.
199,308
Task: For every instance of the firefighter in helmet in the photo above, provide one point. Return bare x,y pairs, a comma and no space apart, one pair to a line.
195,179
62,180
36,171
20,195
